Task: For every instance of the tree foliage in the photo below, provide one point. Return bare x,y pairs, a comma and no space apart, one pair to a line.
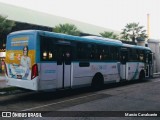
109,35
5,25
133,31
66,28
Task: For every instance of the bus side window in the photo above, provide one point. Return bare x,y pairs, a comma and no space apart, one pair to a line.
105,53
133,55
141,55
47,48
93,52
100,52
114,53
52,50
82,51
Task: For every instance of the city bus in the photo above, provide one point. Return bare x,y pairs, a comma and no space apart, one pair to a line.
41,60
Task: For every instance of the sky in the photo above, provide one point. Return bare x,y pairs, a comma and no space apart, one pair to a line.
113,14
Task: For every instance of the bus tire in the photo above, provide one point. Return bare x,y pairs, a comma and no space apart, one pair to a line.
142,75
97,81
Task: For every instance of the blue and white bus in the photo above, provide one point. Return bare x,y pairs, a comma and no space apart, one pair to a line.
41,60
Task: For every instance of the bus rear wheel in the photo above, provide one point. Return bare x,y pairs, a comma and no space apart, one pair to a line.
142,76
97,82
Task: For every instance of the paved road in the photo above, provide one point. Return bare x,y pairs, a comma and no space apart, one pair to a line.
133,96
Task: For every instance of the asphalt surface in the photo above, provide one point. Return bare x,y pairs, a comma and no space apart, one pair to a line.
111,102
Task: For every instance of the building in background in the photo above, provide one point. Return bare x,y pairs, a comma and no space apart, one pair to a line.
32,17
155,47
29,19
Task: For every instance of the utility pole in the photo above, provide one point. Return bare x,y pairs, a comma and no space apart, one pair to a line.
148,25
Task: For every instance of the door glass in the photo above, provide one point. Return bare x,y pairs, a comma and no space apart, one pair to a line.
150,58
60,56
67,55
63,55
124,57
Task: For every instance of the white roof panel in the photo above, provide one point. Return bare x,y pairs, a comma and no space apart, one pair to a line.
34,17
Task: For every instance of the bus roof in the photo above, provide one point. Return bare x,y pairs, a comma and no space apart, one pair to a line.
136,47
91,39
23,31
103,39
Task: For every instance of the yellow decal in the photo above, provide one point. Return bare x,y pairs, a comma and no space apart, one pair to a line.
14,56
21,41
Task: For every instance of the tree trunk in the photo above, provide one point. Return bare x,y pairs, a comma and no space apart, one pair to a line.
133,39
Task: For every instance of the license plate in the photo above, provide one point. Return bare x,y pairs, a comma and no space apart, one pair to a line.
19,76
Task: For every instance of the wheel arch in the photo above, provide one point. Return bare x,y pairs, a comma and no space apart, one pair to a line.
142,74
97,80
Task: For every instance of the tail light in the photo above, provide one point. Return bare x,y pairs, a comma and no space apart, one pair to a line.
5,68
34,71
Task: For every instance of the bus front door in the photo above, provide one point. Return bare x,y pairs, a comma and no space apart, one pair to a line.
148,64
151,64
124,65
64,66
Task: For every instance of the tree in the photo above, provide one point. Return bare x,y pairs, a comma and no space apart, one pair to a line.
5,28
133,31
67,29
5,25
109,35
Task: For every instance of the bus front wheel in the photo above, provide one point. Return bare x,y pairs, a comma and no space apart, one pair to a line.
97,81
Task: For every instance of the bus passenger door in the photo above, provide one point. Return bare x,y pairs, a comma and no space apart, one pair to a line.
64,66
148,64
151,64
124,65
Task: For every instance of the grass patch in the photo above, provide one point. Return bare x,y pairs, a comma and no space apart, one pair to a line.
7,89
